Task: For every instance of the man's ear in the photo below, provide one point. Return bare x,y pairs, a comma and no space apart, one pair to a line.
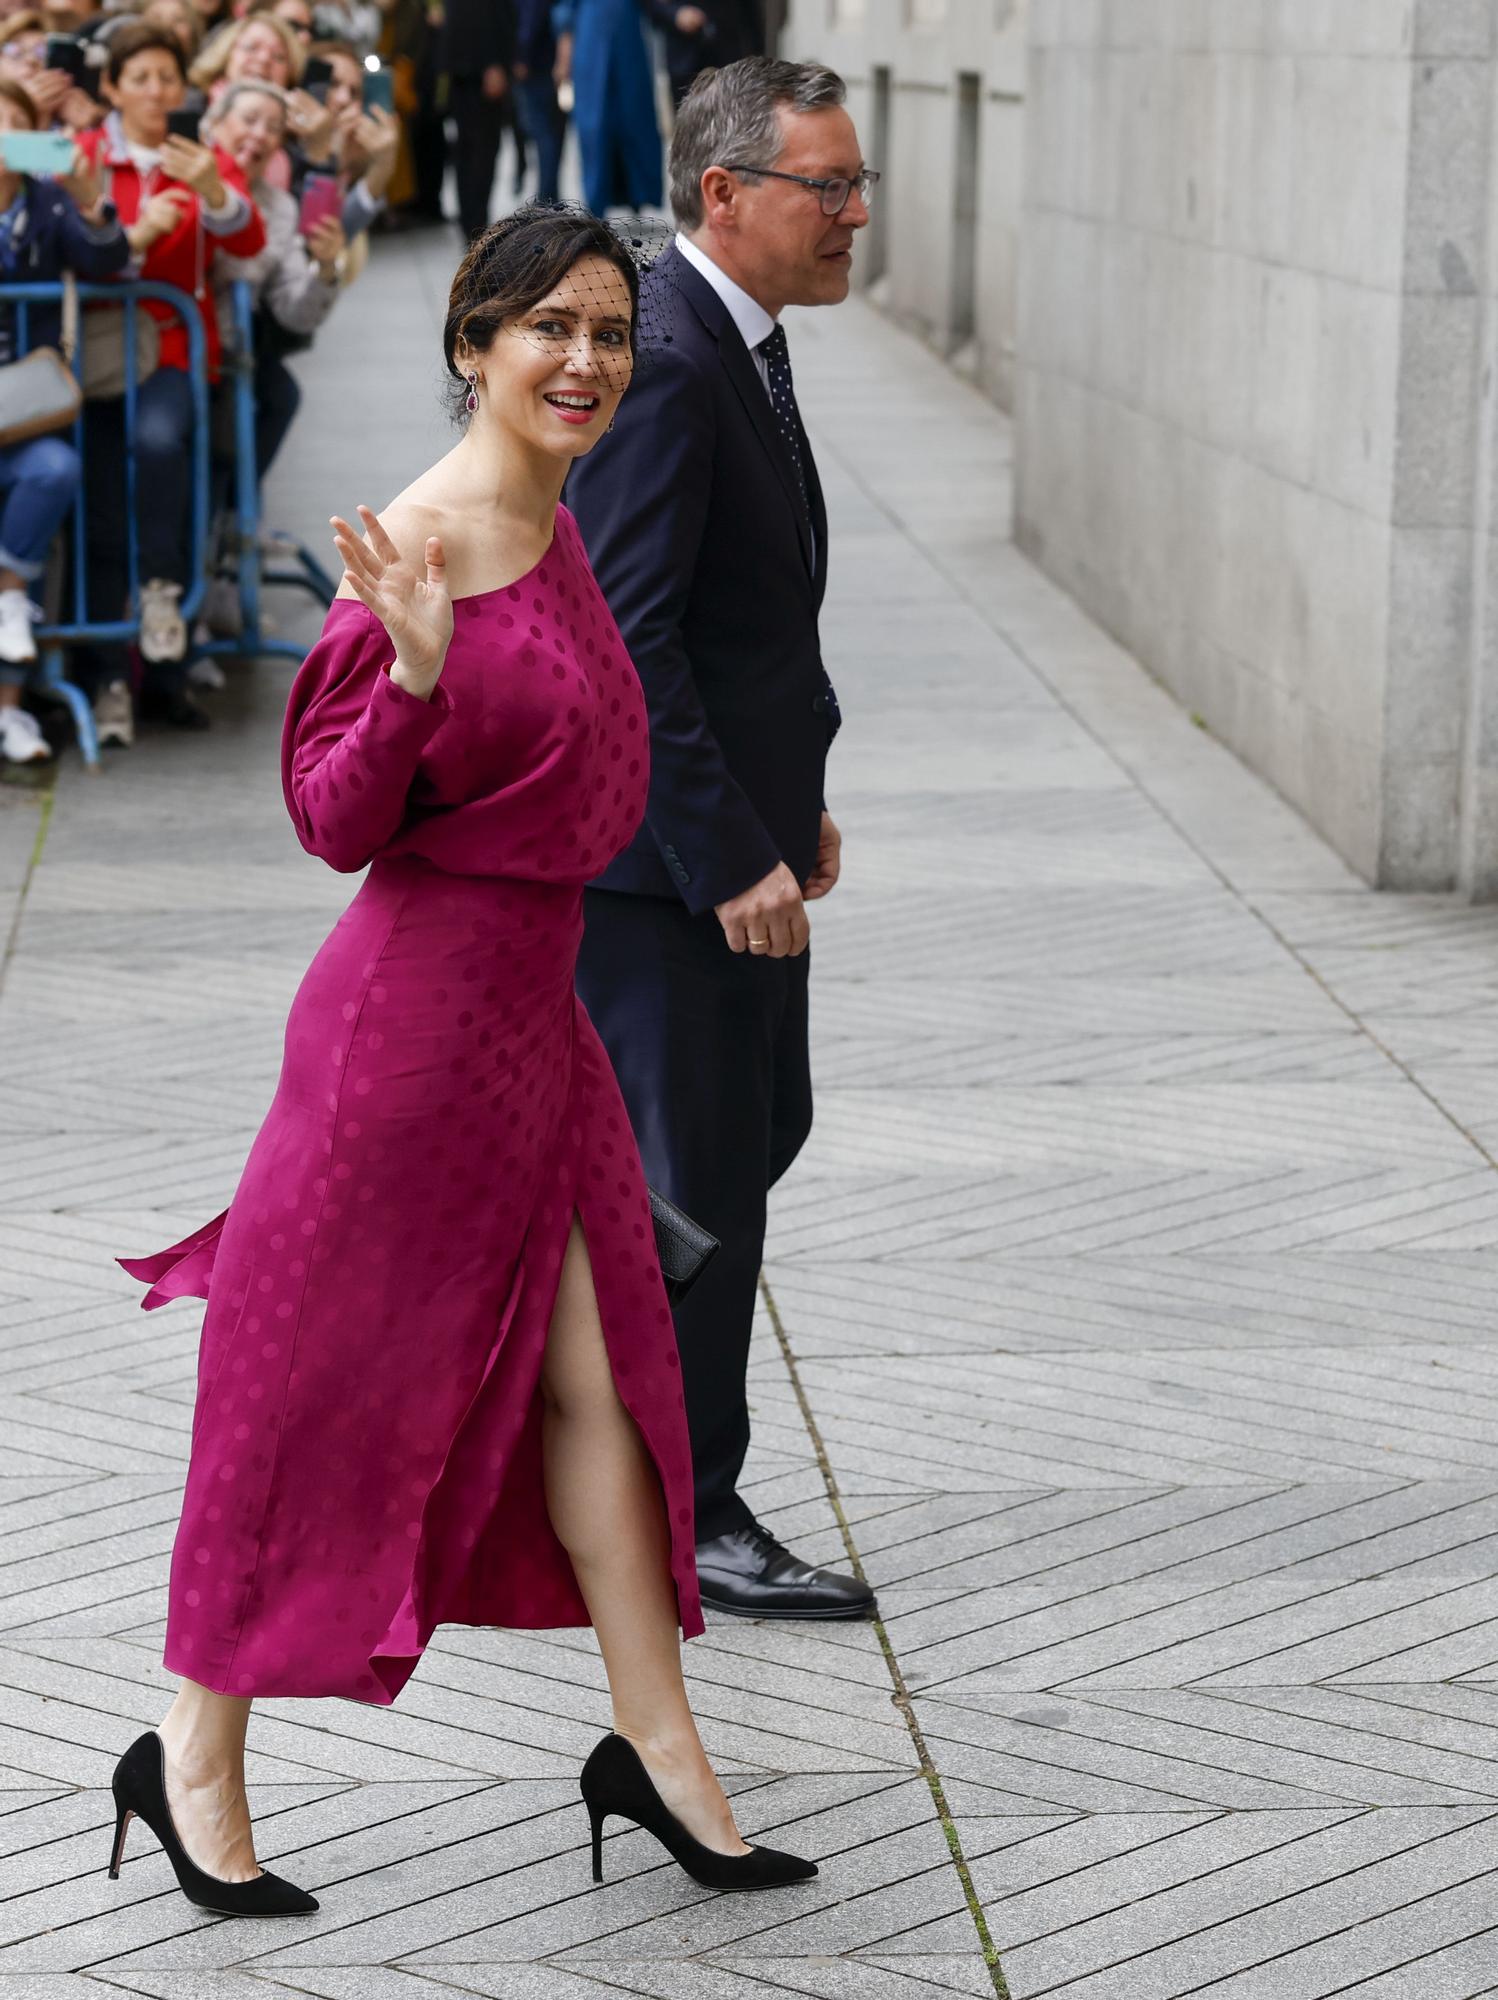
719,196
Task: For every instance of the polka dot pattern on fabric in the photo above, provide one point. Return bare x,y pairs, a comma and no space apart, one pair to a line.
366,1458
776,352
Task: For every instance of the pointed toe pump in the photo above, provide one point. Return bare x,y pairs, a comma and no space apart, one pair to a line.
140,1793
615,1781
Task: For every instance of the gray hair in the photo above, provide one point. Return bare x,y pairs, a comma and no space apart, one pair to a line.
247,86
733,114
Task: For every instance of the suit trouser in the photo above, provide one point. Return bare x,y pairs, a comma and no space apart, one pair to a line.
481,127
710,1048
545,125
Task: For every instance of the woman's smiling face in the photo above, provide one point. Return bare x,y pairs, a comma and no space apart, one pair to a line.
251,130
260,53
556,371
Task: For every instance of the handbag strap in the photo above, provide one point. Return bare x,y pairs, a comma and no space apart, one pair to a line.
69,342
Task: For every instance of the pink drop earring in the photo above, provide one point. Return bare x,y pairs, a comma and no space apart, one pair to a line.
471,400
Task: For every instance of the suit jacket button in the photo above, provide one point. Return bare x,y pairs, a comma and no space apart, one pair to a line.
819,704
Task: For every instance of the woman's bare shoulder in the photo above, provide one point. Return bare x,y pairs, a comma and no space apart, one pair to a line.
409,520
411,517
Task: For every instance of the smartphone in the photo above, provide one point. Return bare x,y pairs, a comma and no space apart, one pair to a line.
66,54
183,124
316,77
379,90
322,196
37,152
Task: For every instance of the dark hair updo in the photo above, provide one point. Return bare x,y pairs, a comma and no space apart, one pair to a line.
515,264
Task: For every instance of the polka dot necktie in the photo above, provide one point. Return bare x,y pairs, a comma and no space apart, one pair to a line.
777,359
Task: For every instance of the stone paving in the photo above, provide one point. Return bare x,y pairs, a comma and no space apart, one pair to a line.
1128,1320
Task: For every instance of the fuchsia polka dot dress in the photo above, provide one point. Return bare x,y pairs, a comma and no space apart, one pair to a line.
366,1453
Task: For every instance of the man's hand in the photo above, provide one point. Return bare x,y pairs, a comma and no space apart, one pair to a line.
768,920
829,862
495,82
690,20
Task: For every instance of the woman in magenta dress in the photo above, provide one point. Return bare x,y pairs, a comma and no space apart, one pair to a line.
438,1379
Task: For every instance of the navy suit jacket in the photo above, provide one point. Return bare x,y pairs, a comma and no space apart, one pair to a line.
735,29
695,527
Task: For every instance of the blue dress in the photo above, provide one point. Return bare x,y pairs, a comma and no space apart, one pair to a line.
613,86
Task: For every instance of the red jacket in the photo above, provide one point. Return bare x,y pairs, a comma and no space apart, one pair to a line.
185,257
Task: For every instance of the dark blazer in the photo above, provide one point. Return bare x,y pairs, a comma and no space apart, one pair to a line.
735,28
694,525
477,35
535,43
52,238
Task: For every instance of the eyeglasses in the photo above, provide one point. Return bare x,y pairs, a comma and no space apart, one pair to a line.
834,192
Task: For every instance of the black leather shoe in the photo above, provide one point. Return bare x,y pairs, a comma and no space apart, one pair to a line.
750,1575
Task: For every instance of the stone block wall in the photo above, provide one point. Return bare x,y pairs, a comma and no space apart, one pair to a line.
1254,395
904,60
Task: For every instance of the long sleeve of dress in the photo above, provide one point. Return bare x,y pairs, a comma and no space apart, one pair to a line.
352,740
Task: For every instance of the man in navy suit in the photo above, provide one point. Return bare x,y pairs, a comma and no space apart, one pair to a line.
704,521
700,32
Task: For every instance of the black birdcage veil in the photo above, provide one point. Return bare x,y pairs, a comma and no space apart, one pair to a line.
574,300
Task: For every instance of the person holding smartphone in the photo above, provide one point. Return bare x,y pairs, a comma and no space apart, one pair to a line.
28,56
296,278
48,226
184,204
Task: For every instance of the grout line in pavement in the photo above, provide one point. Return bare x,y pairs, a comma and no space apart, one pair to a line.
902,1700
33,862
1243,898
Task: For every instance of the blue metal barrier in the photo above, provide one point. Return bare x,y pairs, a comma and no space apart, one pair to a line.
82,627
239,371
250,643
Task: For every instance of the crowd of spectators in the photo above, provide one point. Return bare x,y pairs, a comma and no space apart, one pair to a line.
200,143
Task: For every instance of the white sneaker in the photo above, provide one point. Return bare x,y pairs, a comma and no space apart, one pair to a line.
21,738
17,613
206,674
114,717
163,634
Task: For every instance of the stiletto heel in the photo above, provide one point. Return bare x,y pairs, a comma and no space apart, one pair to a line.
123,1817
614,1780
140,1793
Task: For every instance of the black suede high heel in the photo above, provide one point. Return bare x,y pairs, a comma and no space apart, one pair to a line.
140,1792
614,1780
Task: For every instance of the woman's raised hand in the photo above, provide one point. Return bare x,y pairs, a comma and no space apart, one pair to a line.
415,609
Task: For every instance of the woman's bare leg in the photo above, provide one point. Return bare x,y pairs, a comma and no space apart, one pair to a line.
203,1736
604,1499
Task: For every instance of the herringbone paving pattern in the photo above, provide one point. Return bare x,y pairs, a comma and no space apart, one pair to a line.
1132,1321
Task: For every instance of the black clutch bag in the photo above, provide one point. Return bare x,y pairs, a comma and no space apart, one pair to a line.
682,1245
